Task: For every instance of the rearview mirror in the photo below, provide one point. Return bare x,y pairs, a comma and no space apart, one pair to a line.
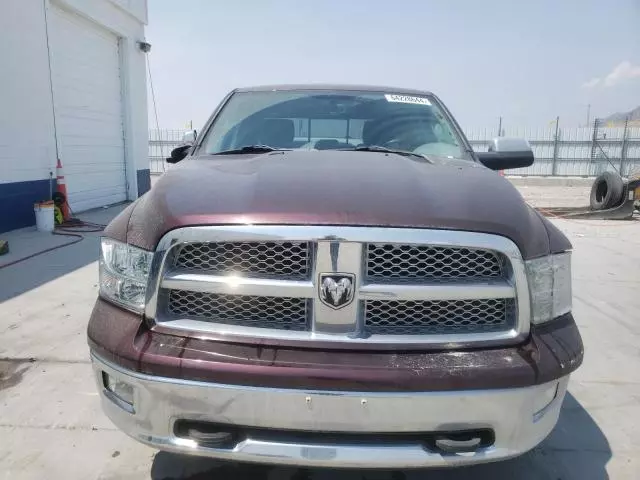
505,153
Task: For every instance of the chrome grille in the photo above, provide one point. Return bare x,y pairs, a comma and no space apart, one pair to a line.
438,317
430,263
273,259
411,288
248,311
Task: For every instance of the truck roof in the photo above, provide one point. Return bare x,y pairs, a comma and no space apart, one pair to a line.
324,86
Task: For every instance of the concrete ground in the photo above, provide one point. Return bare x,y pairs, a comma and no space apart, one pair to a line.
554,191
51,425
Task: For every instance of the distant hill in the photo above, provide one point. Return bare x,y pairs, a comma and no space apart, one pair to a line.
619,118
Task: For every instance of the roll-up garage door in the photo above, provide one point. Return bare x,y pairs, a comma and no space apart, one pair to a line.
87,93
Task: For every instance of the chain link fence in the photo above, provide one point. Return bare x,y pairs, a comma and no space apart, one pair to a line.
576,151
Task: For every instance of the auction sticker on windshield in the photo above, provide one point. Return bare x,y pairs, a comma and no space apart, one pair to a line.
407,99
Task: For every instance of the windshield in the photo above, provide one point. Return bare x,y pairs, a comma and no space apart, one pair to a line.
338,119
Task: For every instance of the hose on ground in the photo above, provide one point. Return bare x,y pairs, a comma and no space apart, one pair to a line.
73,227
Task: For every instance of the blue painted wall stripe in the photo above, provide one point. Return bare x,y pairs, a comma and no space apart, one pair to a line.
144,181
16,202
17,199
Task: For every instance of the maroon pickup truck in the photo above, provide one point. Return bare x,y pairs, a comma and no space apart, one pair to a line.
331,276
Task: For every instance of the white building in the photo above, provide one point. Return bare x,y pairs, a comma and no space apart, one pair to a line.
72,86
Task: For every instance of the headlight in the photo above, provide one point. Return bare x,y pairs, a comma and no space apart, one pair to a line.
124,273
550,286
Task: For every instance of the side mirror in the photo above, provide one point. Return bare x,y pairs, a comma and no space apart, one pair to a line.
505,153
190,137
179,153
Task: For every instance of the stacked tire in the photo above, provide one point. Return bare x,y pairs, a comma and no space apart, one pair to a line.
606,191
634,176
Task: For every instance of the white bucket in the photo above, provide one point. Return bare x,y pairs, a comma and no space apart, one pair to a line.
45,218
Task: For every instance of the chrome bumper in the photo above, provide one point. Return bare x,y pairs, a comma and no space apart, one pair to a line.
514,415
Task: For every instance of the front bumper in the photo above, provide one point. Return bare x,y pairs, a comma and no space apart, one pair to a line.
513,415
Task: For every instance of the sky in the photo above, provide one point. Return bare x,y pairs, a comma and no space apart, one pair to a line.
525,61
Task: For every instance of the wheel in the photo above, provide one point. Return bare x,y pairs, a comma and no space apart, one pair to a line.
606,191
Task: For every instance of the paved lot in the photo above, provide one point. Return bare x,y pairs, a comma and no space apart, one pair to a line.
554,191
51,425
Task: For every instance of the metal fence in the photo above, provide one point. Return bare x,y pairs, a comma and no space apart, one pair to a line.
161,142
578,151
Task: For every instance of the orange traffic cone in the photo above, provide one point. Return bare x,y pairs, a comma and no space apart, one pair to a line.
62,188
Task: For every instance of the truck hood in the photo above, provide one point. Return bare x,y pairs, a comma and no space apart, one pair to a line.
336,188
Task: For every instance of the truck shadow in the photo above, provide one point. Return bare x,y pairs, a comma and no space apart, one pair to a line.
576,449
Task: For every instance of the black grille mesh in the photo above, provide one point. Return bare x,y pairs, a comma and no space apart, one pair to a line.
439,316
430,263
242,310
288,260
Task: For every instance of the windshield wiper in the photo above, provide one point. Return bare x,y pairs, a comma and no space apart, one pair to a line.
251,149
378,148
